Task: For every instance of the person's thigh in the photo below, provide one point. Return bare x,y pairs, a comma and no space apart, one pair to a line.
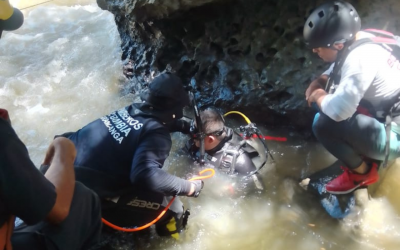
333,136
352,139
368,138
80,230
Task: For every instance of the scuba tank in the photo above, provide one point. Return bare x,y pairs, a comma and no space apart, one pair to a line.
253,137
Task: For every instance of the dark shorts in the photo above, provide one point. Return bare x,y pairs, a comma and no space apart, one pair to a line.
354,139
141,207
80,230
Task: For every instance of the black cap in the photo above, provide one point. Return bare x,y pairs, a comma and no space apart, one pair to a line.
167,93
12,18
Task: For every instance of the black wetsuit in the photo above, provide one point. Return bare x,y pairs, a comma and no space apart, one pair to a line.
120,156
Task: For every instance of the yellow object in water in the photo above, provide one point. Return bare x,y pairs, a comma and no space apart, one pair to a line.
171,226
6,10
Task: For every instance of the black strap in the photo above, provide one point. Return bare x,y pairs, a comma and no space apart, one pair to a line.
235,152
335,75
388,128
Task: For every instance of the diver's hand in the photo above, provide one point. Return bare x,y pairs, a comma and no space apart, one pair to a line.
183,126
180,125
195,188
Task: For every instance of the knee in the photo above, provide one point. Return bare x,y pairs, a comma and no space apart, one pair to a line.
322,125
317,125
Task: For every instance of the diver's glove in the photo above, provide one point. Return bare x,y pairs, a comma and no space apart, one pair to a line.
180,125
198,187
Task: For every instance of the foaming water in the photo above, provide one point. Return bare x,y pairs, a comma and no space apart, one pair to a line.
59,71
62,69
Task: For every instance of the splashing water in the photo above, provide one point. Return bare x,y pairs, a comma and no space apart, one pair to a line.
59,71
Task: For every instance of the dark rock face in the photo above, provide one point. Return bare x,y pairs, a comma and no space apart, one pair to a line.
244,55
142,10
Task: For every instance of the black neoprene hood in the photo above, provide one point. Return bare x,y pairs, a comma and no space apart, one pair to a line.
335,21
166,91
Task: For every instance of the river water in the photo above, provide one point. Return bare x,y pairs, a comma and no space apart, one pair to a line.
62,69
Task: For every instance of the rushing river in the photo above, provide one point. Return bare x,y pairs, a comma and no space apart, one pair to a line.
62,69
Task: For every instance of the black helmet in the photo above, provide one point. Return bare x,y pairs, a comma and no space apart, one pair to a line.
166,96
335,21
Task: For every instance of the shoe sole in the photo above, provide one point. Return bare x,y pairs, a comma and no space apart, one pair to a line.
351,190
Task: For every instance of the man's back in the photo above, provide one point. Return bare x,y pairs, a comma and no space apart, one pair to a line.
116,146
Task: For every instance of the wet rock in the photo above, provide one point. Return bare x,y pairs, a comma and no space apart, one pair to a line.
244,55
143,10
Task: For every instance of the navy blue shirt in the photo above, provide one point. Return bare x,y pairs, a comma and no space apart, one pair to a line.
24,191
120,150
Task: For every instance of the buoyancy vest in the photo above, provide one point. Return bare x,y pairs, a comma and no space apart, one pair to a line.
225,156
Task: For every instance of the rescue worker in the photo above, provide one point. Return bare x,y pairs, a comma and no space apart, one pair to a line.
40,212
225,149
120,157
365,78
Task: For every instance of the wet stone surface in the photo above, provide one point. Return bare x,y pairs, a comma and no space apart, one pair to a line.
238,54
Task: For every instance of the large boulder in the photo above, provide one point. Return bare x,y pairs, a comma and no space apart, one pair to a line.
245,55
144,10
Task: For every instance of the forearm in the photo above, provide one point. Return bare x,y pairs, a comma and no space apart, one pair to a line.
318,83
61,174
318,96
160,181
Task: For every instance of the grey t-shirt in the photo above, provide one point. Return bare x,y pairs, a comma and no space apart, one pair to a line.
369,72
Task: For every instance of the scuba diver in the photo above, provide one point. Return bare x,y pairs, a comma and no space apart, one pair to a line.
42,212
10,18
223,148
120,156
